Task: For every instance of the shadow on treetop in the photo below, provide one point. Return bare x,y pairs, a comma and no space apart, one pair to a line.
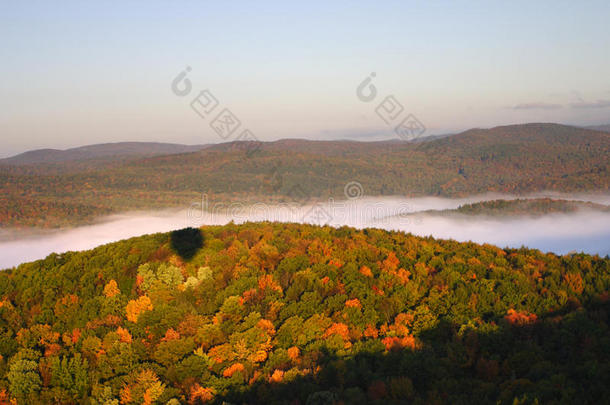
186,242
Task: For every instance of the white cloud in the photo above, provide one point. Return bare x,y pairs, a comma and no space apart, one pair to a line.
537,106
591,105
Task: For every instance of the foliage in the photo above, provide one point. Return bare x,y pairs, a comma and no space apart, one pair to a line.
515,159
522,207
286,313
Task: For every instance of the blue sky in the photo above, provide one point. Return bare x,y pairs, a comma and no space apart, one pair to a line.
75,73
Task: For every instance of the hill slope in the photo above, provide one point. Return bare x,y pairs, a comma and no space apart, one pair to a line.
272,313
513,159
109,151
604,128
520,207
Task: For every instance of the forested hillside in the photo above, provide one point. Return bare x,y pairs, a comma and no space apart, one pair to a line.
514,159
297,314
95,155
531,207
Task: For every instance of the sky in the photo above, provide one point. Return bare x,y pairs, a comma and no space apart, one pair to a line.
77,73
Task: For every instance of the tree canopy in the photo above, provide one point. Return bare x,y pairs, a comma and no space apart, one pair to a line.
299,314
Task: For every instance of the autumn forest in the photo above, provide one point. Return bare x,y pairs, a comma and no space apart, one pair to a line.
300,314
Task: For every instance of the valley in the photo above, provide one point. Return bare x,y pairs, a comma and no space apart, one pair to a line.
517,160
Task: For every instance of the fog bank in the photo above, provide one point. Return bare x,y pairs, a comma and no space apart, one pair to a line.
584,231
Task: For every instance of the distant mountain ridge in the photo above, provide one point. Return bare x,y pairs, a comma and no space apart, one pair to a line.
514,159
603,128
100,151
152,149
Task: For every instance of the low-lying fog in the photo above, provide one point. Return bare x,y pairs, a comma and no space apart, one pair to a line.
583,231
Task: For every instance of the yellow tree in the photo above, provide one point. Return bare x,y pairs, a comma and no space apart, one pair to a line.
136,307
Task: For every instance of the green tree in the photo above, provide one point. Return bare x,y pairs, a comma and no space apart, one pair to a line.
23,378
70,374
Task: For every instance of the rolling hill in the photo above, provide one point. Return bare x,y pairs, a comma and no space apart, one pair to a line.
531,207
108,151
603,128
515,159
297,314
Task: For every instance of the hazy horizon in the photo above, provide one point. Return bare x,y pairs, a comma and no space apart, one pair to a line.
76,74
356,137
